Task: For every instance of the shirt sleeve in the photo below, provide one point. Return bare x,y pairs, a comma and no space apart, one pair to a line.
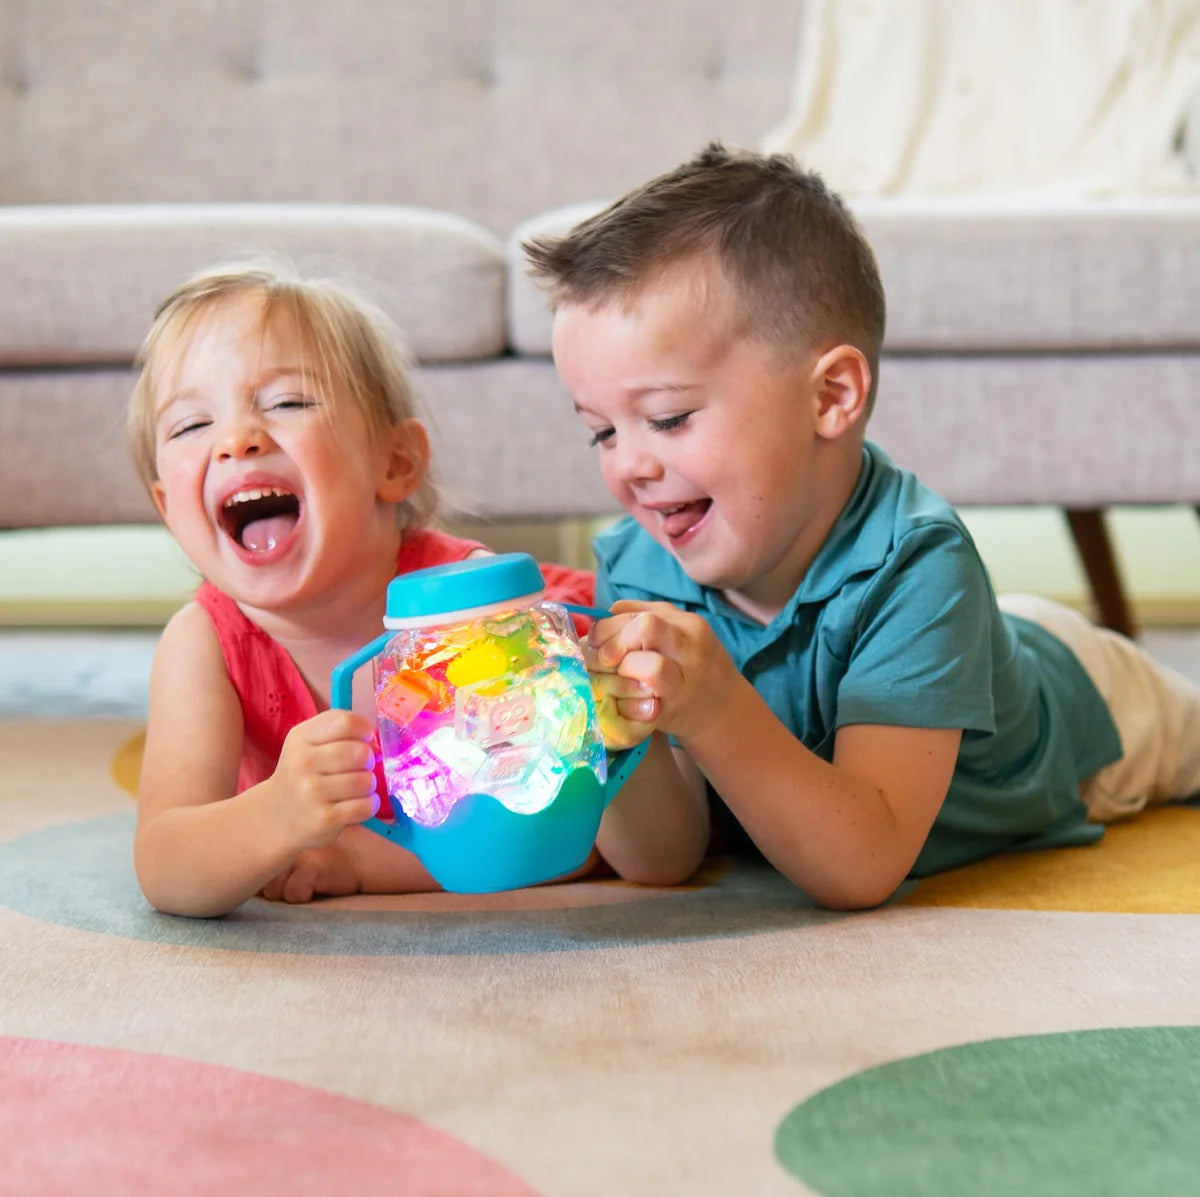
924,640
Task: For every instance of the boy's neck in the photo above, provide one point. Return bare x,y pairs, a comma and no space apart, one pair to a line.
763,604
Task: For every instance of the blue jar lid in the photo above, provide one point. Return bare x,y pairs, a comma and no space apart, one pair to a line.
461,586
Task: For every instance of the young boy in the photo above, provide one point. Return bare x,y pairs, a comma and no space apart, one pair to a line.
810,625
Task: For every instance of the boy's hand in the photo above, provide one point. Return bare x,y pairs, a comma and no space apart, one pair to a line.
676,658
325,779
625,709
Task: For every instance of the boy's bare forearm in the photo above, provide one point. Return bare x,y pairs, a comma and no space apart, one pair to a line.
655,831
205,860
833,833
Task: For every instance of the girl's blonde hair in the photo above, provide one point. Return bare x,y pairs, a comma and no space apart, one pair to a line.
355,354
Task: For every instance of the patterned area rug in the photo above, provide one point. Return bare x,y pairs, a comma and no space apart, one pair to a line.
1029,1025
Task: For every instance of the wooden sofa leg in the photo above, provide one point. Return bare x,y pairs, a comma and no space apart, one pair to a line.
1100,565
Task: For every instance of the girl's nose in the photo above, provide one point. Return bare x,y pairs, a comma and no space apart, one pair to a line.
242,436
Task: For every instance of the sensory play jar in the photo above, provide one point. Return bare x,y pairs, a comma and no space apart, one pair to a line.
496,771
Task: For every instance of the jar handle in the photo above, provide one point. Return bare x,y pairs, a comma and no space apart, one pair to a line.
624,760
343,673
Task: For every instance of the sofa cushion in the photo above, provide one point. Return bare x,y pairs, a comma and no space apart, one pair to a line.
506,444
492,109
79,284
972,277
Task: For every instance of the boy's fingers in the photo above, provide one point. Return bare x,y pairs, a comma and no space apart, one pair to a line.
639,710
605,630
646,668
614,685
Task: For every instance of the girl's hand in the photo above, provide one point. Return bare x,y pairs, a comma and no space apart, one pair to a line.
328,871
325,779
674,655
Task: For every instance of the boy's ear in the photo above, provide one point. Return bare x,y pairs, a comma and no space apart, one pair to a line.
843,385
406,462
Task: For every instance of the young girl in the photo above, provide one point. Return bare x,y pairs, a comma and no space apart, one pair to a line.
273,424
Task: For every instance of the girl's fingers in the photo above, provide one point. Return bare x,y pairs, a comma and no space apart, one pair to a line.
300,883
344,756
357,810
330,727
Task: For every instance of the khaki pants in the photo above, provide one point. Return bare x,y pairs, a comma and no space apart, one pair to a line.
1156,710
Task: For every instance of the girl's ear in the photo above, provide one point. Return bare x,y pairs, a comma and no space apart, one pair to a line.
406,461
158,493
843,388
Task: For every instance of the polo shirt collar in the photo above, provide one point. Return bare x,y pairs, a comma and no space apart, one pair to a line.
861,537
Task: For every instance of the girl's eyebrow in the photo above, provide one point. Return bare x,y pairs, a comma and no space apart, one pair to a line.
277,372
177,397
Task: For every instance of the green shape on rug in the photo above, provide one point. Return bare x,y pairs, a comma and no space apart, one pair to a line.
1098,1112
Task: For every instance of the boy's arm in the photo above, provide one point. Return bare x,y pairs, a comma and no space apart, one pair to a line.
198,851
655,830
847,833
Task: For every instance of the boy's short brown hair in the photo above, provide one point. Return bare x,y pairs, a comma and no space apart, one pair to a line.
800,266
356,353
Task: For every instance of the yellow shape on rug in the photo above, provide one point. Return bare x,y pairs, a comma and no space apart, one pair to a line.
127,763
1148,865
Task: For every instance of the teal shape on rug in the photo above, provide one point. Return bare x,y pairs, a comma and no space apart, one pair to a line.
1102,1113
80,874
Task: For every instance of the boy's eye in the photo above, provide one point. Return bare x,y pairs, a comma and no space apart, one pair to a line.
668,423
598,438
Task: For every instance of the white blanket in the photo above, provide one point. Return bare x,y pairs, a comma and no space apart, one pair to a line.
1036,98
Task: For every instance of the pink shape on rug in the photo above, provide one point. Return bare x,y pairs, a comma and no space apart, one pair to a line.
101,1121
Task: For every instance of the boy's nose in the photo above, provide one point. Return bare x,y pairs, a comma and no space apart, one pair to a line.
635,463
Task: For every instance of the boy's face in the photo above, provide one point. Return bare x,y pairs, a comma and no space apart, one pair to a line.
261,492
708,438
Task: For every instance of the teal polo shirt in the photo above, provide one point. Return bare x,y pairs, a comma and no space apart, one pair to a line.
896,623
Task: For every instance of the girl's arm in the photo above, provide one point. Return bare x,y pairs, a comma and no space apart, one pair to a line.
197,850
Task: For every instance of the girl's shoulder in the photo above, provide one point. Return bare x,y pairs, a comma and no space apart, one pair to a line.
423,547
189,646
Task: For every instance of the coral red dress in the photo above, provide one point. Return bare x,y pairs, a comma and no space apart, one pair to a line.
274,695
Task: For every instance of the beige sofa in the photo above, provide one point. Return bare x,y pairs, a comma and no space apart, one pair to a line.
1033,356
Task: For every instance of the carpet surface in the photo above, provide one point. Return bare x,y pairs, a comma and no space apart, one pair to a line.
1027,1025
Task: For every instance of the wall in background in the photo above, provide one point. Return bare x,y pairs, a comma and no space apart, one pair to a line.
136,576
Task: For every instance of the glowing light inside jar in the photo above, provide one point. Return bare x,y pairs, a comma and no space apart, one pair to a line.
507,711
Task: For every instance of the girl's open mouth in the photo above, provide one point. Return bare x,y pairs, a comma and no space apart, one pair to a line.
260,519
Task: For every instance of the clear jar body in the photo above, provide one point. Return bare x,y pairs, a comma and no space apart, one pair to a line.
497,704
